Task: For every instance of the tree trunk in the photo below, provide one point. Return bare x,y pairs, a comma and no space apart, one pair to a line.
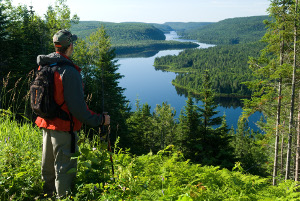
281,153
291,122
295,65
298,146
278,113
277,130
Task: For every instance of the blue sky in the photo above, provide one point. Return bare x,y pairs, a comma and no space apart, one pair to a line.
157,11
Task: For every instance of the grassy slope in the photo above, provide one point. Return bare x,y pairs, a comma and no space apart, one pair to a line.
165,176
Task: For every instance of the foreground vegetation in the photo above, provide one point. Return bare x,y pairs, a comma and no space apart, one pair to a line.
166,175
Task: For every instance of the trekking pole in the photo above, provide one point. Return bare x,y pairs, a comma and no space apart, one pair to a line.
109,149
108,130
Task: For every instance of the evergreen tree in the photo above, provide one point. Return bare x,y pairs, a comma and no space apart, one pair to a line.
140,130
188,129
164,124
248,149
215,141
100,76
3,37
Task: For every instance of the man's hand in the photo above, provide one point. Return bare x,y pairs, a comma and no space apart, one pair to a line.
106,118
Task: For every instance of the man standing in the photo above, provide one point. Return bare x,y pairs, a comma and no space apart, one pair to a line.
59,133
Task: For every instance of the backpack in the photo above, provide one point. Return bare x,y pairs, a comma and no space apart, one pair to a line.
42,94
42,98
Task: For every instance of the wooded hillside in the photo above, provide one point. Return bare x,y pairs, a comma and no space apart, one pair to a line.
120,32
229,31
132,37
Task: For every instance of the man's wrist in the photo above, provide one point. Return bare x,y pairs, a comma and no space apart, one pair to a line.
103,119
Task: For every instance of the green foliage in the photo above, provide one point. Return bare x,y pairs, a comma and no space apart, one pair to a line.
140,138
229,31
163,176
199,134
249,149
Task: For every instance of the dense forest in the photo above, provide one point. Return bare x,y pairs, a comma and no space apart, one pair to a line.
227,65
229,31
155,155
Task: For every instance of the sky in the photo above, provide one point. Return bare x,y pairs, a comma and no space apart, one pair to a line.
156,11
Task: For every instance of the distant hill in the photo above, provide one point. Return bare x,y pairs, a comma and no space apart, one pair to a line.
163,27
182,26
229,31
132,38
120,32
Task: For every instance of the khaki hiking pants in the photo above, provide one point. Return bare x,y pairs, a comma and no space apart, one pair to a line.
56,162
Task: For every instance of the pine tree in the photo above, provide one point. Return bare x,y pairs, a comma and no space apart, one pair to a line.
164,124
3,36
100,76
247,149
141,139
188,129
215,141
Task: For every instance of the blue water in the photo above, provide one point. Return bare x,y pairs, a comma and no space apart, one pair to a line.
154,87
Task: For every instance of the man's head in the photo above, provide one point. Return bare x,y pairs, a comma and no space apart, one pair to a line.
63,40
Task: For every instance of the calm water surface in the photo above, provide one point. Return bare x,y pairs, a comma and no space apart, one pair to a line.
150,86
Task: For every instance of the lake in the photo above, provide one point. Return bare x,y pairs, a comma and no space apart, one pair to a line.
154,87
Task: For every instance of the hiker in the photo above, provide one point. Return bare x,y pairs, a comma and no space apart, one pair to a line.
58,133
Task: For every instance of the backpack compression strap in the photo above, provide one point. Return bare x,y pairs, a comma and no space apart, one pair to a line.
72,134
63,115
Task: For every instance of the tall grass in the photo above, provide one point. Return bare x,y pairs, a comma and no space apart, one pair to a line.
15,96
20,154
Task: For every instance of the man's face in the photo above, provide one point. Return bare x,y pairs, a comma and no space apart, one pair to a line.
70,50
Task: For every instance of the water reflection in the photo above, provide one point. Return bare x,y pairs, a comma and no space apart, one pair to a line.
226,102
144,54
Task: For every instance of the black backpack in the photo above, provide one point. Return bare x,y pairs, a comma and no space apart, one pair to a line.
42,94
42,97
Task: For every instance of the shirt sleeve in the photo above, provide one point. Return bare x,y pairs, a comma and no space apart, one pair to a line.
74,98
